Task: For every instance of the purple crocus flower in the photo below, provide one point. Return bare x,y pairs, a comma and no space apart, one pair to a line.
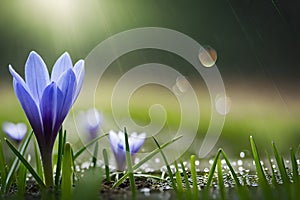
90,122
117,144
47,100
15,131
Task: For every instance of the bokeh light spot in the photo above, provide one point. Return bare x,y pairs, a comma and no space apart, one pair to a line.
223,105
207,56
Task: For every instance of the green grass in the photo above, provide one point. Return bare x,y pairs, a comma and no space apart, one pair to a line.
267,189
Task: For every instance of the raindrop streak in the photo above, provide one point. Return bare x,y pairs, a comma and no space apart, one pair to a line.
223,105
207,56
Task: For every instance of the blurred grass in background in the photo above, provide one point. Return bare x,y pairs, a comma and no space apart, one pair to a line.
257,47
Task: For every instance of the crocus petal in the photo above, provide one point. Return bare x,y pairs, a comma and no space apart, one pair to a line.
36,75
66,87
119,153
63,63
15,131
121,160
31,110
79,72
17,77
48,109
113,140
137,142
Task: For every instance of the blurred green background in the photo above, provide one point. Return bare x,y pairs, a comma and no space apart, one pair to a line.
257,42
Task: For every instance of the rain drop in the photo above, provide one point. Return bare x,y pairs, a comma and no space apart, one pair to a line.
207,56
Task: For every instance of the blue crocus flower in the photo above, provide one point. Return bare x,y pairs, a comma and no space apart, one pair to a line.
117,144
15,131
47,100
90,122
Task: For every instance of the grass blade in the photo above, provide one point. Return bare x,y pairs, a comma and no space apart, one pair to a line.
15,163
220,179
129,166
211,174
67,171
80,151
61,145
280,164
178,178
21,180
2,168
94,160
236,180
242,190
194,177
27,165
294,167
186,180
260,173
105,157
88,186
212,169
145,159
150,176
167,165
274,181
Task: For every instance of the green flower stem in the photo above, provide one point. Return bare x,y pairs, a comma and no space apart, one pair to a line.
47,166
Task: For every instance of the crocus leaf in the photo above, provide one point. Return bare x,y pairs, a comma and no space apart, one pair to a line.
67,172
13,167
26,164
80,151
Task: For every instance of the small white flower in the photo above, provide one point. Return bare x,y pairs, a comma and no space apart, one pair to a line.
15,131
117,144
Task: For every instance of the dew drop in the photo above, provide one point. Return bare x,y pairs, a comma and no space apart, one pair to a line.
157,160
242,154
223,162
240,162
207,56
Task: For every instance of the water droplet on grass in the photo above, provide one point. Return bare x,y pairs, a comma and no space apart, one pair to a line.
242,154
240,162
